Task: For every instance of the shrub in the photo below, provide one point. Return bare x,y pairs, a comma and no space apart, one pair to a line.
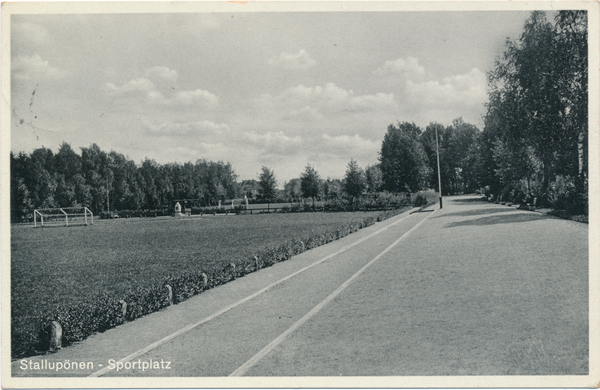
565,193
424,198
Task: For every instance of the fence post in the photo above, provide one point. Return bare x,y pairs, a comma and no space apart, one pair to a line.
55,336
205,280
256,261
123,309
233,271
170,294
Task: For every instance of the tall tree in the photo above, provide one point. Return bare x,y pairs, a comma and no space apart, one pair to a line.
98,175
292,190
572,81
530,105
537,112
21,203
374,178
404,164
354,181
42,175
268,184
310,183
150,175
332,188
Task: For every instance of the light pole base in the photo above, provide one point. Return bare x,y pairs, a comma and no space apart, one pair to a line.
440,202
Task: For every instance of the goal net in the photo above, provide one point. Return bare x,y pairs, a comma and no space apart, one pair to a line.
65,216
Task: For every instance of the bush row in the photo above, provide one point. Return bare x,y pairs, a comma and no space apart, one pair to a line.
565,193
33,336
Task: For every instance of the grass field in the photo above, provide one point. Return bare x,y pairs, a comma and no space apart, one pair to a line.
52,266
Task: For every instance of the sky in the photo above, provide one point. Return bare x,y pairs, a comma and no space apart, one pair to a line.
273,89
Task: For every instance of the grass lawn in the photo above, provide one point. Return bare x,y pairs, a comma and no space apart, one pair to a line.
52,266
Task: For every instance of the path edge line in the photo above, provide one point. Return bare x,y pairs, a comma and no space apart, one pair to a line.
266,350
189,327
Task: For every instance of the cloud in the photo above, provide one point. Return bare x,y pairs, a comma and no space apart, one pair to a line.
144,89
206,150
274,141
408,68
298,61
34,68
312,103
372,102
139,85
330,95
187,98
198,128
163,73
461,91
305,114
344,145
184,98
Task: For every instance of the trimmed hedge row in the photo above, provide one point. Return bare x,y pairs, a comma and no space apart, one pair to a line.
86,318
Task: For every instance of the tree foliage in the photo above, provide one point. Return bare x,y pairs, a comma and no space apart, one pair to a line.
293,190
458,155
536,121
374,178
404,164
310,183
103,181
355,180
268,184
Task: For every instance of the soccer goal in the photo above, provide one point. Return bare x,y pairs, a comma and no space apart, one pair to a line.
65,216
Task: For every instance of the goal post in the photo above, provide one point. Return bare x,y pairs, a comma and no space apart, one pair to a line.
63,216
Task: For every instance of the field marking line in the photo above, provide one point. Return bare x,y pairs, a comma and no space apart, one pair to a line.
241,301
266,350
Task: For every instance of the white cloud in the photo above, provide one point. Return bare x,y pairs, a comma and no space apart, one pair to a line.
329,95
162,72
138,85
461,91
191,152
474,81
301,60
305,114
275,142
198,128
353,145
188,98
378,101
408,68
312,103
35,68
146,90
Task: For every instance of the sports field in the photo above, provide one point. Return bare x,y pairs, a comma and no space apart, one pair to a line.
65,265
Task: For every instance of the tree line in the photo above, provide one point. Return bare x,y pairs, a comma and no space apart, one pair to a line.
535,138
109,181
533,145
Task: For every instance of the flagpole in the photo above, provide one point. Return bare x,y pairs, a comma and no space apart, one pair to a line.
437,147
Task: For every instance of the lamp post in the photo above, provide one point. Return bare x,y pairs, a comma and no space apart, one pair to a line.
437,148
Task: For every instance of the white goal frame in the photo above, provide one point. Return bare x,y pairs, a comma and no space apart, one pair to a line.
61,213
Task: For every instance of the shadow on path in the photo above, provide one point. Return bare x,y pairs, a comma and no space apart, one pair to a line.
497,219
470,213
470,200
